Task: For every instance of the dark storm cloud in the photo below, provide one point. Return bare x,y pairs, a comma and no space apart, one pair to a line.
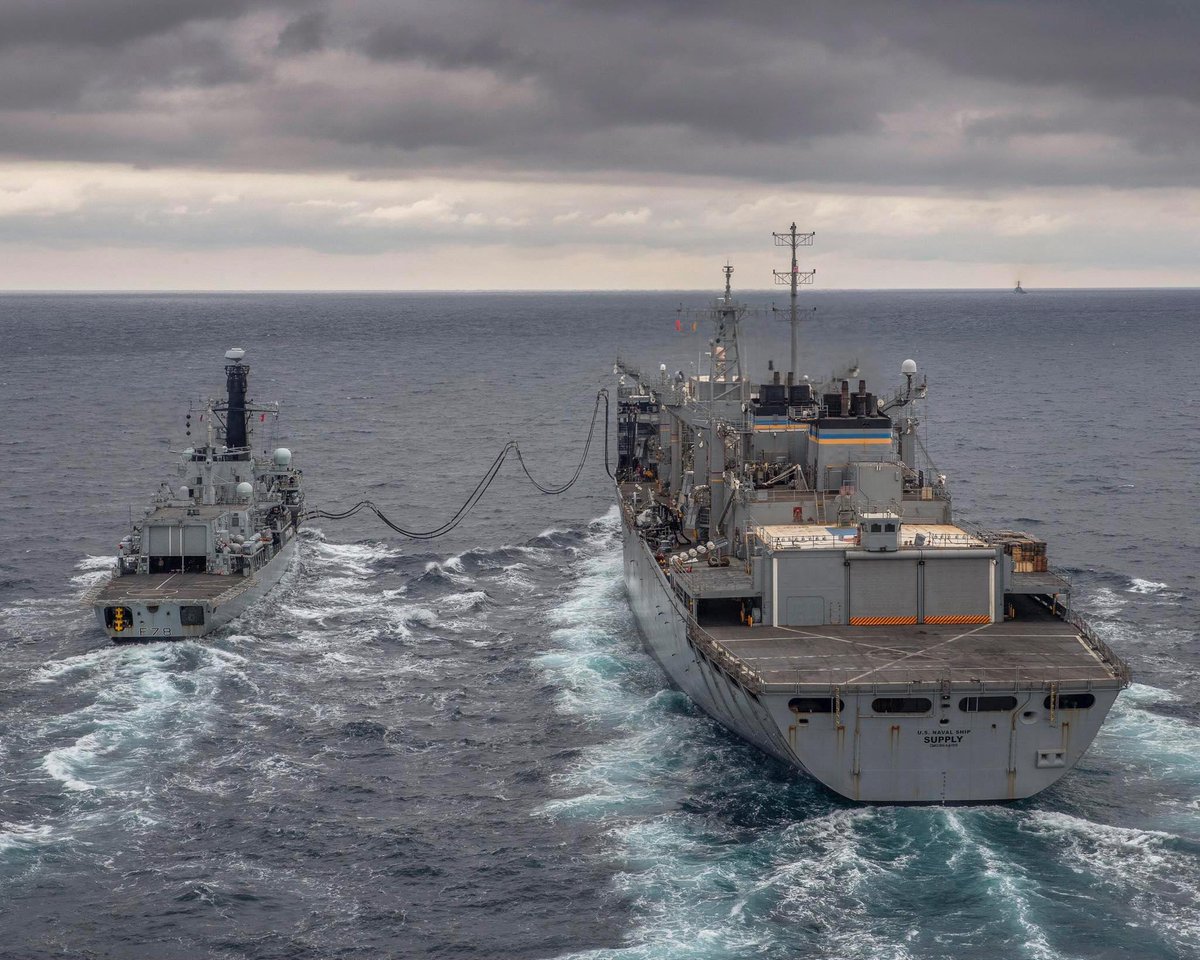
104,23
941,93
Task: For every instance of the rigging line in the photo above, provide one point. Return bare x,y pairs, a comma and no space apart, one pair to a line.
563,488
438,531
607,468
481,488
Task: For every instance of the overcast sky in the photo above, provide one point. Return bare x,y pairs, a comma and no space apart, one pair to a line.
600,144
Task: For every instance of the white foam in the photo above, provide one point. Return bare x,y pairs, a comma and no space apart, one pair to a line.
1152,871
451,568
354,557
1104,602
16,837
1147,586
144,702
470,600
1012,885
692,897
92,563
1168,746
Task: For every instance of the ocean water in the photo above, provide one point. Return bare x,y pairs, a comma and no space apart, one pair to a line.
458,749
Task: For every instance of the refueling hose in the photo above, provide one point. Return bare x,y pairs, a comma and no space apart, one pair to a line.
481,488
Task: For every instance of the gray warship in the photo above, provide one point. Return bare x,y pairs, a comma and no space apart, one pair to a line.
217,540
794,565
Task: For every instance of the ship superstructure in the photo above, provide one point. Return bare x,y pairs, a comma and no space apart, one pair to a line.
216,538
794,564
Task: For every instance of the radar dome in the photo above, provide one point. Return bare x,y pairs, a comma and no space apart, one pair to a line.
244,490
235,354
183,493
908,367
282,456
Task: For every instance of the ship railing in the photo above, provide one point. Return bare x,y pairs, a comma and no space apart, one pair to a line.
240,584
776,494
807,540
951,540
814,681
1099,647
793,541
736,668
92,594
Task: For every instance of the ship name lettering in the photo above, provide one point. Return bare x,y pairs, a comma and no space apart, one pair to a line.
949,738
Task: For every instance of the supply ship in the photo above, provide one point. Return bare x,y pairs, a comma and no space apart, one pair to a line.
794,565
218,539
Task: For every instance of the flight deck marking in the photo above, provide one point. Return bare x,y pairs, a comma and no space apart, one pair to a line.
825,636
917,653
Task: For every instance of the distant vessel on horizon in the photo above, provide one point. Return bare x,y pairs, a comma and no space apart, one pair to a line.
1019,289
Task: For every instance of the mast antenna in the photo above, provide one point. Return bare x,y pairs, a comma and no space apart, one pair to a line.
793,277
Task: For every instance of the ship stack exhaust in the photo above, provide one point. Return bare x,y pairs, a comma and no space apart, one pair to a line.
237,376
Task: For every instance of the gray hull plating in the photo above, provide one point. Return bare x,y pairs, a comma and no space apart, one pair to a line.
972,758
158,618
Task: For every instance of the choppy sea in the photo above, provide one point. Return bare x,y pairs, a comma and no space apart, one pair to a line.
458,749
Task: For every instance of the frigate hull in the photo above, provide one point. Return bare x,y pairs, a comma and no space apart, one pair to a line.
948,756
182,606
214,542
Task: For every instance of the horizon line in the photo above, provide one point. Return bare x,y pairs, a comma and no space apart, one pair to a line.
774,291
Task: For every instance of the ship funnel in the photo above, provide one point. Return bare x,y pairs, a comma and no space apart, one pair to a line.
236,375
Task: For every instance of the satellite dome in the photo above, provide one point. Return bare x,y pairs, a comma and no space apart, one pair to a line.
908,367
244,490
183,493
282,457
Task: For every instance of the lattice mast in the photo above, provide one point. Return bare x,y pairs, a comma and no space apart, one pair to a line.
726,360
794,277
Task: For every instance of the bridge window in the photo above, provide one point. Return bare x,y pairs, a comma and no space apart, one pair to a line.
1072,701
875,528
813,705
986,704
901,705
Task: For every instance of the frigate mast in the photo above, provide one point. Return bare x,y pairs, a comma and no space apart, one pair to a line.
794,277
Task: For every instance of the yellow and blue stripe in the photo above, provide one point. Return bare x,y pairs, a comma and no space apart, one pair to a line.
850,437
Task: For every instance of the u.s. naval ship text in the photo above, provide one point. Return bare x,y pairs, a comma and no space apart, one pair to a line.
217,540
794,566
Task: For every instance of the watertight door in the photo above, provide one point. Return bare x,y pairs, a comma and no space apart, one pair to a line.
883,592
